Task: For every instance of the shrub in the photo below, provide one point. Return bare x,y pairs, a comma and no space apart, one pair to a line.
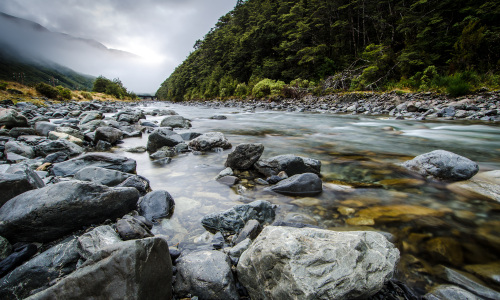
241,90
64,93
47,90
268,87
3,86
457,86
87,95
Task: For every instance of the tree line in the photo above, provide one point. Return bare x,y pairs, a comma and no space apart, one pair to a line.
324,46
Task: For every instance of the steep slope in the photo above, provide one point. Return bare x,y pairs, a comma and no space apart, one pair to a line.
367,42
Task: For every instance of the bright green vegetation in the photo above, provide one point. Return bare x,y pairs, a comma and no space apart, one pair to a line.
324,46
113,87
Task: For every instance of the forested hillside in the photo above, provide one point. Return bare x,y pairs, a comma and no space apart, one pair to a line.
262,46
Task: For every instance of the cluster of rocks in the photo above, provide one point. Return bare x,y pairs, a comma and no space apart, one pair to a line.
484,106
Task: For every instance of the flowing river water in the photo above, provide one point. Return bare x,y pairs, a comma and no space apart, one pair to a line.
429,222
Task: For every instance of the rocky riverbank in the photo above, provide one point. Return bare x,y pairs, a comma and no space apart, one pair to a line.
76,219
484,106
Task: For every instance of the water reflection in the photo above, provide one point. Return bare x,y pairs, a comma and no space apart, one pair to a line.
364,188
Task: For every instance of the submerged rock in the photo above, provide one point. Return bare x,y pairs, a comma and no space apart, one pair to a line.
307,184
448,291
51,212
486,185
138,269
175,122
233,219
205,274
308,263
289,163
444,165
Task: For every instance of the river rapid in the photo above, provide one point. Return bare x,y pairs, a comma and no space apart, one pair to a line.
429,222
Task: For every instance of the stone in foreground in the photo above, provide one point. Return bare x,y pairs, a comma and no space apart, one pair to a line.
95,159
209,141
138,269
53,211
244,156
443,165
233,219
308,263
206,274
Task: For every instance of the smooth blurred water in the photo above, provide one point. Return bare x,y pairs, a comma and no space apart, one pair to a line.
355,149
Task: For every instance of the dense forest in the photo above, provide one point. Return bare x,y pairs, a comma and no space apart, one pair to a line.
266,47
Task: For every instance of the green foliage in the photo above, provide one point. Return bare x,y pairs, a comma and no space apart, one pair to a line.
267,87
3,86
64,93
111,87
366,45
457,86
47,90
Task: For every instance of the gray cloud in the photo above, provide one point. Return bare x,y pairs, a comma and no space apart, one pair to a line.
162,32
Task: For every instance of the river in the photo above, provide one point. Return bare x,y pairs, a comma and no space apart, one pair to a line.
427,221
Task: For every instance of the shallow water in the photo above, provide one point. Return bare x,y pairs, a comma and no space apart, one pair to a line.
428,222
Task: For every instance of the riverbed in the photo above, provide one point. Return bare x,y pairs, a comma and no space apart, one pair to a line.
428,221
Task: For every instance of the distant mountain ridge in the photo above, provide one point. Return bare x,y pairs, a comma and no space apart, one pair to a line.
30,48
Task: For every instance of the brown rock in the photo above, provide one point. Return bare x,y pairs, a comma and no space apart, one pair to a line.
445,249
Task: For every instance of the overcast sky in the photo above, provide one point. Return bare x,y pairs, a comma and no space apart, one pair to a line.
163,32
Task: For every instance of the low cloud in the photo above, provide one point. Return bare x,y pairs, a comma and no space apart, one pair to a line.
160,32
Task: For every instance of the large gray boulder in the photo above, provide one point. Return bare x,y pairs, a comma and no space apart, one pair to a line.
138,269
244,156
20,149
175,122
108,134
289,163
38,272
94,159
52,146
161,137
209,141
156,204
206,274
51,212
16,180
10,118
307,184
309,263
233,219
101,176
444,165
89,116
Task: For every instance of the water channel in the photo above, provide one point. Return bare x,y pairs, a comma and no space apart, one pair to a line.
429,222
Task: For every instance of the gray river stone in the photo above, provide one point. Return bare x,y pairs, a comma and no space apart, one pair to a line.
94,159
18,131
10,118
52,146
156,204
444,165
133,227
448,291
289,163
244,156
89,116
38,272
19,148
140,183
95,240
108,134
162,137
306,184
43,128
205,274
138,269
53,211
16,180
209,141
175,122
308,263
233,219
101,176
5,248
